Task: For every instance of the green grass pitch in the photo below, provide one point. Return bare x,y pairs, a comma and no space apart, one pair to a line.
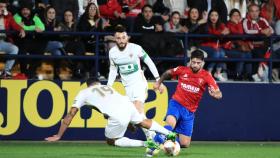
89,149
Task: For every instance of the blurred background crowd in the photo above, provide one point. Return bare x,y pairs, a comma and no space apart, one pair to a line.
160,23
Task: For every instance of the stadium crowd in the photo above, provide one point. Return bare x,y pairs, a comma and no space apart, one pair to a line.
159,21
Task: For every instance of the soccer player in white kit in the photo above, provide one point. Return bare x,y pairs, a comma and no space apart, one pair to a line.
119,111
125,58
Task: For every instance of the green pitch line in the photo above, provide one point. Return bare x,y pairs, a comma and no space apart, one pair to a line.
77,149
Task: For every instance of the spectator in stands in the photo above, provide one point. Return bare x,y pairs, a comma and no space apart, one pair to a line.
61,5
32,43
72,44
193,23
83,4
146,22
173,25
241,5
112,11
45,71
256,25
65,71
54,46
40,7
17,74
91,21
176,5
238,48
276,54
7,23
207,5
28,20
213,47
132,7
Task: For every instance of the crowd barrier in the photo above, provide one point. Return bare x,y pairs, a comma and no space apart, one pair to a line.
186,37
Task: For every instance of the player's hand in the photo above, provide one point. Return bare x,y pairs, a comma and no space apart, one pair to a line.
156,86
211,91
216,93
161,88
22,33
53,138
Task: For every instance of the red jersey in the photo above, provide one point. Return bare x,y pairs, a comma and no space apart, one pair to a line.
191,86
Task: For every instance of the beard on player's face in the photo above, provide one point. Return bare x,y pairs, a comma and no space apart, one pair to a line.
121,45
195,69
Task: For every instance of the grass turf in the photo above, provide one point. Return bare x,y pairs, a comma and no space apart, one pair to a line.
76,149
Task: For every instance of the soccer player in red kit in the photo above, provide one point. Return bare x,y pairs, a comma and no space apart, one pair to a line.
192,82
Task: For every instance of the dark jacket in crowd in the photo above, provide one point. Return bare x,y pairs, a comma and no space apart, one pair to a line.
218,5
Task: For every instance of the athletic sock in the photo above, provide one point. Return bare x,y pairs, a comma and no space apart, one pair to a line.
150,134
160,138
158,128
126,142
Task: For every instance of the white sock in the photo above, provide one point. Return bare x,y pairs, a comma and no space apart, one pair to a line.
149,133
158,128
126,142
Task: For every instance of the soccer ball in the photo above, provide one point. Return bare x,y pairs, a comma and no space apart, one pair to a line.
152,152
171,148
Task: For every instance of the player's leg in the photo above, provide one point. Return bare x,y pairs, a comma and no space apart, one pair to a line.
184,127
185,141
137,94
125,142
154,126
172,115
171,121
115,130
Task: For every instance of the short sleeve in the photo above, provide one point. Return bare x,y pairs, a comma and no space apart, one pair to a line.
80,100
211,81
177,71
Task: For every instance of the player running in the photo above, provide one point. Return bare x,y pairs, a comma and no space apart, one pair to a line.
192,82
117,109
125,58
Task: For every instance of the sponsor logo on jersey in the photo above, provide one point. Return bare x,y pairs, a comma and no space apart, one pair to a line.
190,88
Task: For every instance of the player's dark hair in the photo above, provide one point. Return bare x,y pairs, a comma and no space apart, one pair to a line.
197,54
92,80
120,29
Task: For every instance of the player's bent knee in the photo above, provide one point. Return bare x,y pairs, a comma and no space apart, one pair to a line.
185,144
110,141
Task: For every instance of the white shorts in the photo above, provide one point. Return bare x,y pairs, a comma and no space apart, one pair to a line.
137,91
117,125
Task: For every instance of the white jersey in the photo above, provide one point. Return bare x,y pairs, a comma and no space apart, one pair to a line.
103,98
127,62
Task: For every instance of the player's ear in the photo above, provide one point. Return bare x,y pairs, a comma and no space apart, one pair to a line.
189,63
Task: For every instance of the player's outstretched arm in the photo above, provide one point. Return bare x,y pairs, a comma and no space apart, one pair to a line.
215,93
164,76
113,72
64,125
